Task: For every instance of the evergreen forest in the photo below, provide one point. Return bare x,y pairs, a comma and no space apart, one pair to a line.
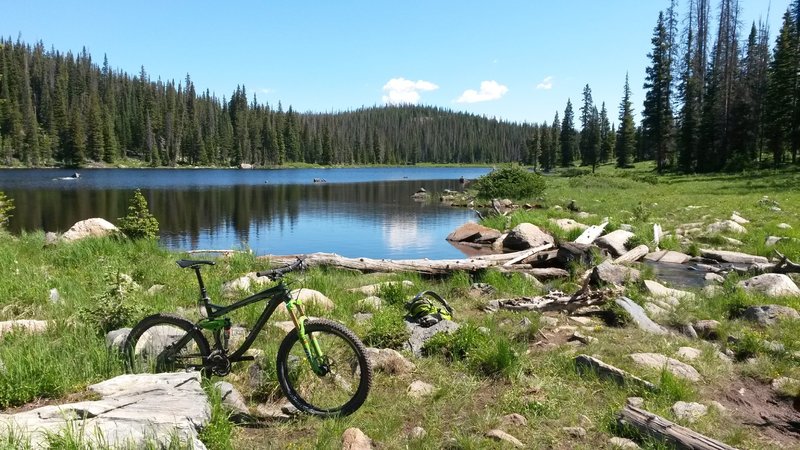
719,96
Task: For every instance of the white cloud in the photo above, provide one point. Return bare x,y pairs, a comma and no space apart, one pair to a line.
266,91
490,90
546,84
400,91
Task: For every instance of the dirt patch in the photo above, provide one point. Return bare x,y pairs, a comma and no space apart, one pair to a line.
39,402
756,404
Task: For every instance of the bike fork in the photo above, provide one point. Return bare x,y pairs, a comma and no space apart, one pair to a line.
308,341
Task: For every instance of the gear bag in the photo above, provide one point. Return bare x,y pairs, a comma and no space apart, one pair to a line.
422,310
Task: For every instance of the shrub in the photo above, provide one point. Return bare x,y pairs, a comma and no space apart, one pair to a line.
514,183
139,223
114,308
458,345
387,329
394,293
6,206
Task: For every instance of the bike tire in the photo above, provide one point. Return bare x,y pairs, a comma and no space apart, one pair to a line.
144,347
338,393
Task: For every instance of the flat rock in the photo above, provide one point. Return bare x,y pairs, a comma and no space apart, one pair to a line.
374,289
502,436
575,432
389,361
659,362
525,236
667,256
134,410
771,285
633,254
785,386
766,315
23,325
284,325
271,411
689,411
419,389
610,273
772,240
732,257
568,224
706,328
614,242
473,232
95,227
726,226
658,290
371,303
784,226
653,310
355,439
639,317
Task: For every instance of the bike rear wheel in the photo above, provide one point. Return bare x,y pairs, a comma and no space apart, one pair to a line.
165,343
347,377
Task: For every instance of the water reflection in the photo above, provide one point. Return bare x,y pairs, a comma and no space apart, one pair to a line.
370,219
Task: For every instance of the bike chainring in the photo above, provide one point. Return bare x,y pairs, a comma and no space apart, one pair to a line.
219,363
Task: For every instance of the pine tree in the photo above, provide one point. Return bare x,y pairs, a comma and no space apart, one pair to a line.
657,119
568,138
626,133
606,142
780,89
586,126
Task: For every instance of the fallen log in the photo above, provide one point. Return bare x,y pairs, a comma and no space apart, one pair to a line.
552,302
590,234
427,266
671,433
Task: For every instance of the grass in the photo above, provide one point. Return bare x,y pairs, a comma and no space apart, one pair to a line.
494,365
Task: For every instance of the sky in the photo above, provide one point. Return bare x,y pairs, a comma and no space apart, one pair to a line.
514,60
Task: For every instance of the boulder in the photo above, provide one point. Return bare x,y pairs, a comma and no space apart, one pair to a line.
706,328
515,420
658,361
374,289
667,256
417,433
525,236
771,241
232,400
371,303
767,315
575,432
134,411
95,227
473,232
784,226
771,285
50,238
725,226
732,257
614,242
658,290
639,317
23,325
245,166
115,339
689,353
689,411
568,224
355,439
610,273
389,361
419,389
623,444
420,335
502,436
739,219
309,297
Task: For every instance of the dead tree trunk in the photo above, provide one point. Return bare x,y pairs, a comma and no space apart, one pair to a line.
662,429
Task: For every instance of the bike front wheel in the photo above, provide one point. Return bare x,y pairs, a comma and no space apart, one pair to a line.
165,343
342,384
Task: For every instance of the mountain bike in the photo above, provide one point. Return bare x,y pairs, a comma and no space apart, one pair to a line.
322,366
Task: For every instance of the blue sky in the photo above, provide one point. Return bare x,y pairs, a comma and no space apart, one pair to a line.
516,60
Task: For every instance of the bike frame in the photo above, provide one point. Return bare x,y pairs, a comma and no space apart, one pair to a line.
274,296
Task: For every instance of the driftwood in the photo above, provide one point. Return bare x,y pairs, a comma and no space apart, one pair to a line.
590,234
662,429
603,370
424,266
634,254
554,301
785,265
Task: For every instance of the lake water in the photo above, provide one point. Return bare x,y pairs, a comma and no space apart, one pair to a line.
356,213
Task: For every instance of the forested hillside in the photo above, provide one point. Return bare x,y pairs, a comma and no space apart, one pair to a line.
64,109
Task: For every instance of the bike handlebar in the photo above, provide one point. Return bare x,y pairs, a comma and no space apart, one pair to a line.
276,273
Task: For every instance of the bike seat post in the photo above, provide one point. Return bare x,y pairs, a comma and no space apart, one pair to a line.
203,293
